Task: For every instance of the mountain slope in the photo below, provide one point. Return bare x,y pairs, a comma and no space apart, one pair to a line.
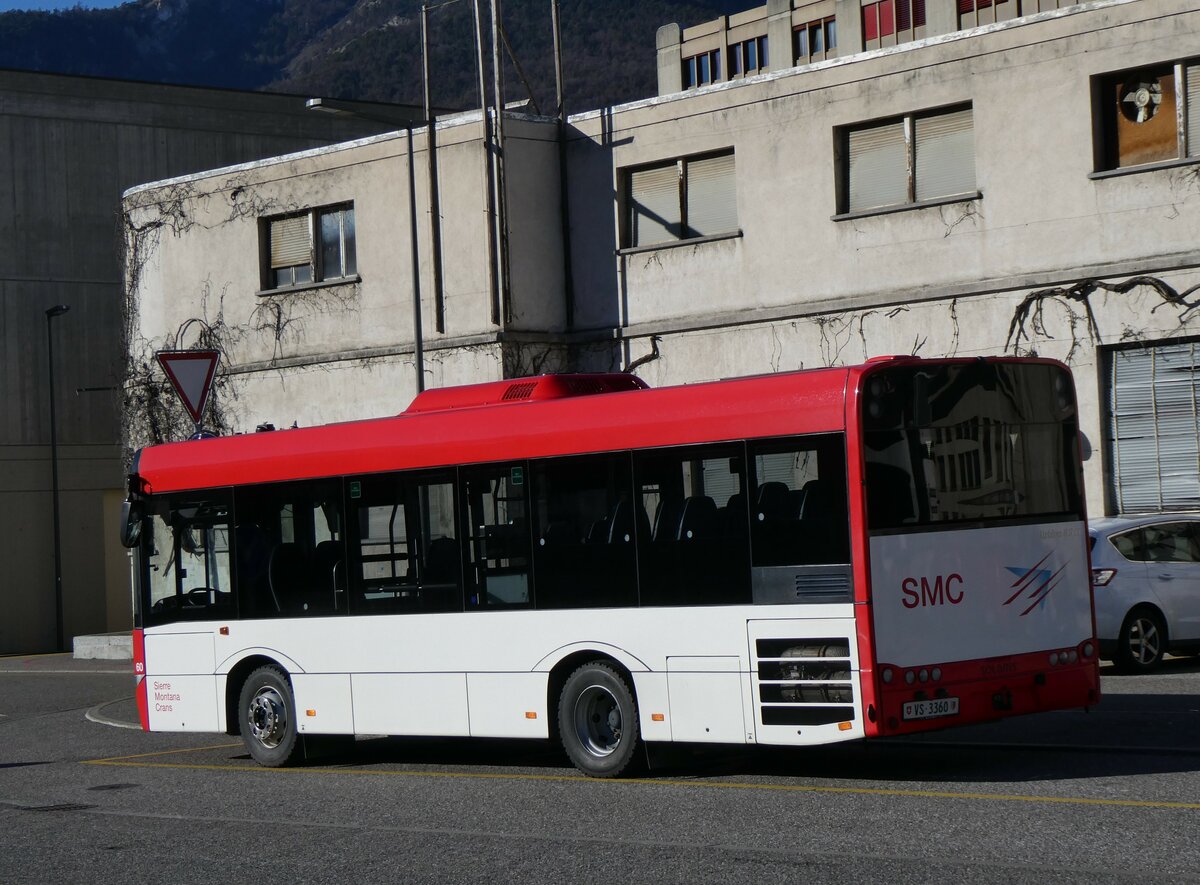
359,49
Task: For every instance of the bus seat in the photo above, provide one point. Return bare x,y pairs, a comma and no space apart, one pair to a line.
666,519
326,561
253,558
733,516
772,501
795,506
620,523
598,532
699,519
442,562
287,574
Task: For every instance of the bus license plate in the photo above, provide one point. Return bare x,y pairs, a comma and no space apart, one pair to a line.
931,709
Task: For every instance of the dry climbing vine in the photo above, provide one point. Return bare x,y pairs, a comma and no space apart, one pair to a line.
1029,318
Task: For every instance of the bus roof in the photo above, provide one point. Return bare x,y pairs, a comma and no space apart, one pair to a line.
438,432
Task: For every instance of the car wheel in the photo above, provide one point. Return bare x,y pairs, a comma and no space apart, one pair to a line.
268,718
598,720
1142,643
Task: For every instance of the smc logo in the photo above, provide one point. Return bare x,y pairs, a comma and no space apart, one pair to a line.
920,593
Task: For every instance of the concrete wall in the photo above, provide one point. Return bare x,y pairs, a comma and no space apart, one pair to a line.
71,146
345,350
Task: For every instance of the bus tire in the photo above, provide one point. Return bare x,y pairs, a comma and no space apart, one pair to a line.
598,720
1142,643
268,718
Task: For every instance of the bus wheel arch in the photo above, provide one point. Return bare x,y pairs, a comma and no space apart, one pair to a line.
596,714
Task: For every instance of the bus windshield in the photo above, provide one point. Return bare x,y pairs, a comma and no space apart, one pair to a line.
970,442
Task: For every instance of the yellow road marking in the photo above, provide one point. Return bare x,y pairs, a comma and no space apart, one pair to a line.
132,762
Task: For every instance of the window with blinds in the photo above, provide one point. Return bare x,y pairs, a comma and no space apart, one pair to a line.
914,159
684,199
1152,432
311,246
1148,115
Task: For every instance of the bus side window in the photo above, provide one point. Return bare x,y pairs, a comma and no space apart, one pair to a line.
692,546
406,552
496,516
290,549
583,538
799,523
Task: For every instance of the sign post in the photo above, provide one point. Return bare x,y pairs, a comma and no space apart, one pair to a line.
191,374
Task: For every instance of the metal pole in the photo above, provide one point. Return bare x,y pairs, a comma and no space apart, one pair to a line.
564,201
60,644
418,344
435,210
489,172
501,187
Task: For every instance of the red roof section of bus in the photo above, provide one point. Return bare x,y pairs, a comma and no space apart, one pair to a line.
810,401
541,387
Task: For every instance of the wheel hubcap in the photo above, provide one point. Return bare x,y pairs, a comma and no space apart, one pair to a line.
267,717
598,720
1144,641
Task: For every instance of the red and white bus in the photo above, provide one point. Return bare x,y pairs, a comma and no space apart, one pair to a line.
790,559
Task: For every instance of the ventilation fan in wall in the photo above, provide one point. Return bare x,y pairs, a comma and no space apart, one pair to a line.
1140,98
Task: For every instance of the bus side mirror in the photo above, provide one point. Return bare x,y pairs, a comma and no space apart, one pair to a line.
132,514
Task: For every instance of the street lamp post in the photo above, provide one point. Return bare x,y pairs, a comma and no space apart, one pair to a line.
52,312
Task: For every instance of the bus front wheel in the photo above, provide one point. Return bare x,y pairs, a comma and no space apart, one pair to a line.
268,718
597,719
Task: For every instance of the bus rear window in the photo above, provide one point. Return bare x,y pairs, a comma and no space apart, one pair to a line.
968,443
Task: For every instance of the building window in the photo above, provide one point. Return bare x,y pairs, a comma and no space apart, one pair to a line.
972,13
815,41
680,200
1151,432
702,69
1148,115
748,57
889,22
311,246
919,157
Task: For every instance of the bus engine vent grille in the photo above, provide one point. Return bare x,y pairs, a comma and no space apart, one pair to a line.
805,681
812,587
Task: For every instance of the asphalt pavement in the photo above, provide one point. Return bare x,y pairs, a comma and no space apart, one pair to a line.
1109,795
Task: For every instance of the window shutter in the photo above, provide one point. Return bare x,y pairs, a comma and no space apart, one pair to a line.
711,196
1192,74
291,242
878,167
945,155
654,215
1154,432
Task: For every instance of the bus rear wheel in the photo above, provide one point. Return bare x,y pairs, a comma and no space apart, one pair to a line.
598,720
268,718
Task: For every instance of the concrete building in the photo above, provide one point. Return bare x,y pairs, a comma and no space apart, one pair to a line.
1019,186
71,147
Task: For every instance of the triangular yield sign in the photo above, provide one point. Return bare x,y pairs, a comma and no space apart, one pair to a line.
191,373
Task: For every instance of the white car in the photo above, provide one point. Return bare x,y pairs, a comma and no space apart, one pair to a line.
1146,581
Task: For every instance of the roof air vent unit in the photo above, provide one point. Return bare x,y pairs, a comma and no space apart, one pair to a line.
543,387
